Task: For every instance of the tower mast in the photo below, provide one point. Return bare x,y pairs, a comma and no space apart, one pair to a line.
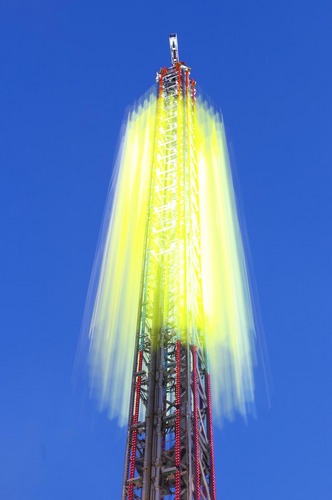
169,450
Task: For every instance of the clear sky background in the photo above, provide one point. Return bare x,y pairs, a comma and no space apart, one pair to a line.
69,71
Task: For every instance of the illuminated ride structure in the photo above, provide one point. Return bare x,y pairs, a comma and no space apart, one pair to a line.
169,450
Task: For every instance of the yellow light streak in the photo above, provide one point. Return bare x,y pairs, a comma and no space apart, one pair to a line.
171,232
229,322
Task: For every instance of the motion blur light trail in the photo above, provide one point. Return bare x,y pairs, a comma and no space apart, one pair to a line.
115,284
229,323
172,224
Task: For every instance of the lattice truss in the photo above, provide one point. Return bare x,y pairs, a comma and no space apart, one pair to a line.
169,451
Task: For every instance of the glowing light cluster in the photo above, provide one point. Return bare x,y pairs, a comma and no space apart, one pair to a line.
171,253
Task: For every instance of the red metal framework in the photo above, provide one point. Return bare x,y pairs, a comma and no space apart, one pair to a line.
169,452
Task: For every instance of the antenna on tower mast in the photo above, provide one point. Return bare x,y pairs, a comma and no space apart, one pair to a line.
173,43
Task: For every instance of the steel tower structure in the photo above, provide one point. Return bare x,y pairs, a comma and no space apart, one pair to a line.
169,451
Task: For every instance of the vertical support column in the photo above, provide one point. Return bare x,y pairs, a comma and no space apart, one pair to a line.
178,420
196,430
163,71
134,423
149,421
210,435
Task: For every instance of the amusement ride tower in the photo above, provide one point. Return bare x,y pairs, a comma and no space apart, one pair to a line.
169,450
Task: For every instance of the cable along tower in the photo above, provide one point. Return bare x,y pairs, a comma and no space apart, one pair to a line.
169,450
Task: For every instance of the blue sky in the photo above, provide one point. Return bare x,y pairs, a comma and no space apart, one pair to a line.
69,71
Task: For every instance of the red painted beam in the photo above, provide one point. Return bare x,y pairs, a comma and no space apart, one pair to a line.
197,479
177,419
134,432
210,436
